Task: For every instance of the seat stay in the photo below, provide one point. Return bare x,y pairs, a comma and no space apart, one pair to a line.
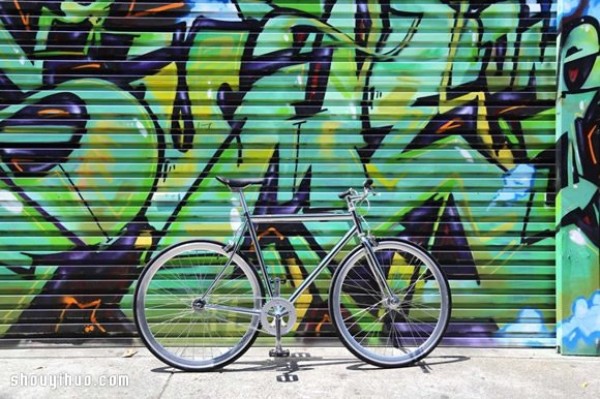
234,251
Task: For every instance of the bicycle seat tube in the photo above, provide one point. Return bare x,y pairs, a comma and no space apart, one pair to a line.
250,225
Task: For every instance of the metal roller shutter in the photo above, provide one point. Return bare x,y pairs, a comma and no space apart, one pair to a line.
115,116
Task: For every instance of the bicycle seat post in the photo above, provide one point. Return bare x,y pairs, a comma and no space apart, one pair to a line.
237,186
278,351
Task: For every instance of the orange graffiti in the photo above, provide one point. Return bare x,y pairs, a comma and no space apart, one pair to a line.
24,18
505,110
15,163
271,230
69,301
131,8
158,9
589,139
265,233
85,66
449,125
53,112
324,320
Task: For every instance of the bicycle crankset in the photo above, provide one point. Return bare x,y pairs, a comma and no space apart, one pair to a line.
275,308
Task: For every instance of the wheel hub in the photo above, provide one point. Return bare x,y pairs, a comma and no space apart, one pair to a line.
393,303
198,304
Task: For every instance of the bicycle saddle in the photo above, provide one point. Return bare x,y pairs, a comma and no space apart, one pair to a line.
239,183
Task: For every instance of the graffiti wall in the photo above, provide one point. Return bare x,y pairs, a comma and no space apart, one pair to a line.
116,115
578,137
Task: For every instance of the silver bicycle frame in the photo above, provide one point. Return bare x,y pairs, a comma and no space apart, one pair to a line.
323,217
355,229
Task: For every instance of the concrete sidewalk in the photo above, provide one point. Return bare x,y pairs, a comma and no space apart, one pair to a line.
312,372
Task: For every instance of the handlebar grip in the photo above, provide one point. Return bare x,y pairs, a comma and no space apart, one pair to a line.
368,183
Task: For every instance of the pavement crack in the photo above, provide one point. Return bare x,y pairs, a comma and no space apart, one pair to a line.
165,386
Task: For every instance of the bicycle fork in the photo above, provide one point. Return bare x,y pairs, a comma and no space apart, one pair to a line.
377,271
368,243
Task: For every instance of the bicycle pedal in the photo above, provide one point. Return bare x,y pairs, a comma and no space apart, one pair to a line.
279,353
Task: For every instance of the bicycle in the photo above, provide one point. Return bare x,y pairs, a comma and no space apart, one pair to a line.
199,305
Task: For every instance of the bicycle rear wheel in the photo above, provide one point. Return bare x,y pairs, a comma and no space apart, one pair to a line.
183,323
390,332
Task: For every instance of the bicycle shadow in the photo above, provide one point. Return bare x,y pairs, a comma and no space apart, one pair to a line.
304,361
424,365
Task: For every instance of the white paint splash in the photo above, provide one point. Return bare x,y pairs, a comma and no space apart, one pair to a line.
353,111
577,237
141,128
465,154
235,219
234,216
223,10
518,183
9,202
584,323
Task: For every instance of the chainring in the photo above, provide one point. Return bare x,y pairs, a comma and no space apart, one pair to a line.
282,307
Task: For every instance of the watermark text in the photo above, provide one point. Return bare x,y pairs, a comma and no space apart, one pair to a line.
60,380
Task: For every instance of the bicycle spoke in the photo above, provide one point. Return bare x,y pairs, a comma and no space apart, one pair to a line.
397,330
179,325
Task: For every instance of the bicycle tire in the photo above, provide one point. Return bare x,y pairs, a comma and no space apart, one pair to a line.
174,329
380,332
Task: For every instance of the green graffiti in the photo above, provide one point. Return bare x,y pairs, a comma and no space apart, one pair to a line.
117,116
578,201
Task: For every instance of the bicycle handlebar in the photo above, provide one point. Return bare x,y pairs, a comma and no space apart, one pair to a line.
352,196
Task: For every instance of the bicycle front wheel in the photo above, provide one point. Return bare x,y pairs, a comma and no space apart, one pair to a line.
195,312
396,331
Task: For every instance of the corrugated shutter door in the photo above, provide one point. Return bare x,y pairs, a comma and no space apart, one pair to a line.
115,117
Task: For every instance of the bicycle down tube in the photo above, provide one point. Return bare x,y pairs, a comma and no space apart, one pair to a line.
249,224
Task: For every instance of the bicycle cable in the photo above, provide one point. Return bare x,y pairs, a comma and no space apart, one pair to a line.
362,217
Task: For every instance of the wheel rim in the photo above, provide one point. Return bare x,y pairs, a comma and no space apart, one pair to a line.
397,330
176,319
